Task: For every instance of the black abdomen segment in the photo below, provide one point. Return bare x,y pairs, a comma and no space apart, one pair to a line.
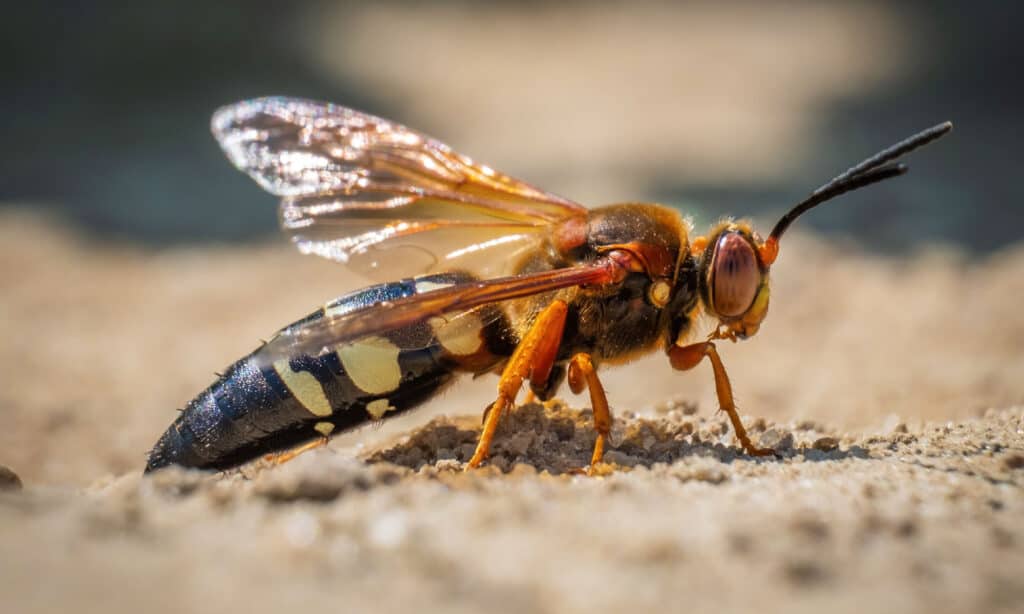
254,409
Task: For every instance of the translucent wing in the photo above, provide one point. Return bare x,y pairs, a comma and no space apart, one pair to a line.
374,194
316,336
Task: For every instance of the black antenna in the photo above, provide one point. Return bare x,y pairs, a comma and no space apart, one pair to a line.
878,167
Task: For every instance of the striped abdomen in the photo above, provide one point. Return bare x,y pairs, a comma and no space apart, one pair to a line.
253,409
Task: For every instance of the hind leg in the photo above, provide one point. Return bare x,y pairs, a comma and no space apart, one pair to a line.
533,359
324,428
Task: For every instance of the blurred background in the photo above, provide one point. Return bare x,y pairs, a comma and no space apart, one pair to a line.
135,261
738,107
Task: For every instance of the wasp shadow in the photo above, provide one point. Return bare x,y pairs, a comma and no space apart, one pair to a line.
556,439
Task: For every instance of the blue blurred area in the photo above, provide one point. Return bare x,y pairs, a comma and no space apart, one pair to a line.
105,111
105,107
964,190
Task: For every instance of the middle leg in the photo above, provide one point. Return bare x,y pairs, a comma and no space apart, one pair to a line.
582,373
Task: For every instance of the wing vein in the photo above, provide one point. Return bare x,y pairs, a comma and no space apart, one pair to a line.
355,185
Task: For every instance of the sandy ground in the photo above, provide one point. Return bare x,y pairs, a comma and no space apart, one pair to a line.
892,388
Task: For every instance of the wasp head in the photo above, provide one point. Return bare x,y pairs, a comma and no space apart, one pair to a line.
734,279
734,262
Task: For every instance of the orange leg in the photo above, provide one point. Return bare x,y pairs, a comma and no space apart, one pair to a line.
582,373
688,357
533,359
283,457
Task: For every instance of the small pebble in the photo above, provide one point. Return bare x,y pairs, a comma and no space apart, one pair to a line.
9,480
893,424
826,444
618,458
522,470
1014,461
804,572
806,425
686,406
906,528
773,438
814,529
448,465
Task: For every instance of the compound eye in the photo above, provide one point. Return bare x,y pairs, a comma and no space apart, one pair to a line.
736,275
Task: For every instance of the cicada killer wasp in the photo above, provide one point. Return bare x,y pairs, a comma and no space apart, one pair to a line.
510,279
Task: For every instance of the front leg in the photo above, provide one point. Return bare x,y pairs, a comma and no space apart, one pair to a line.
688,357
533,359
